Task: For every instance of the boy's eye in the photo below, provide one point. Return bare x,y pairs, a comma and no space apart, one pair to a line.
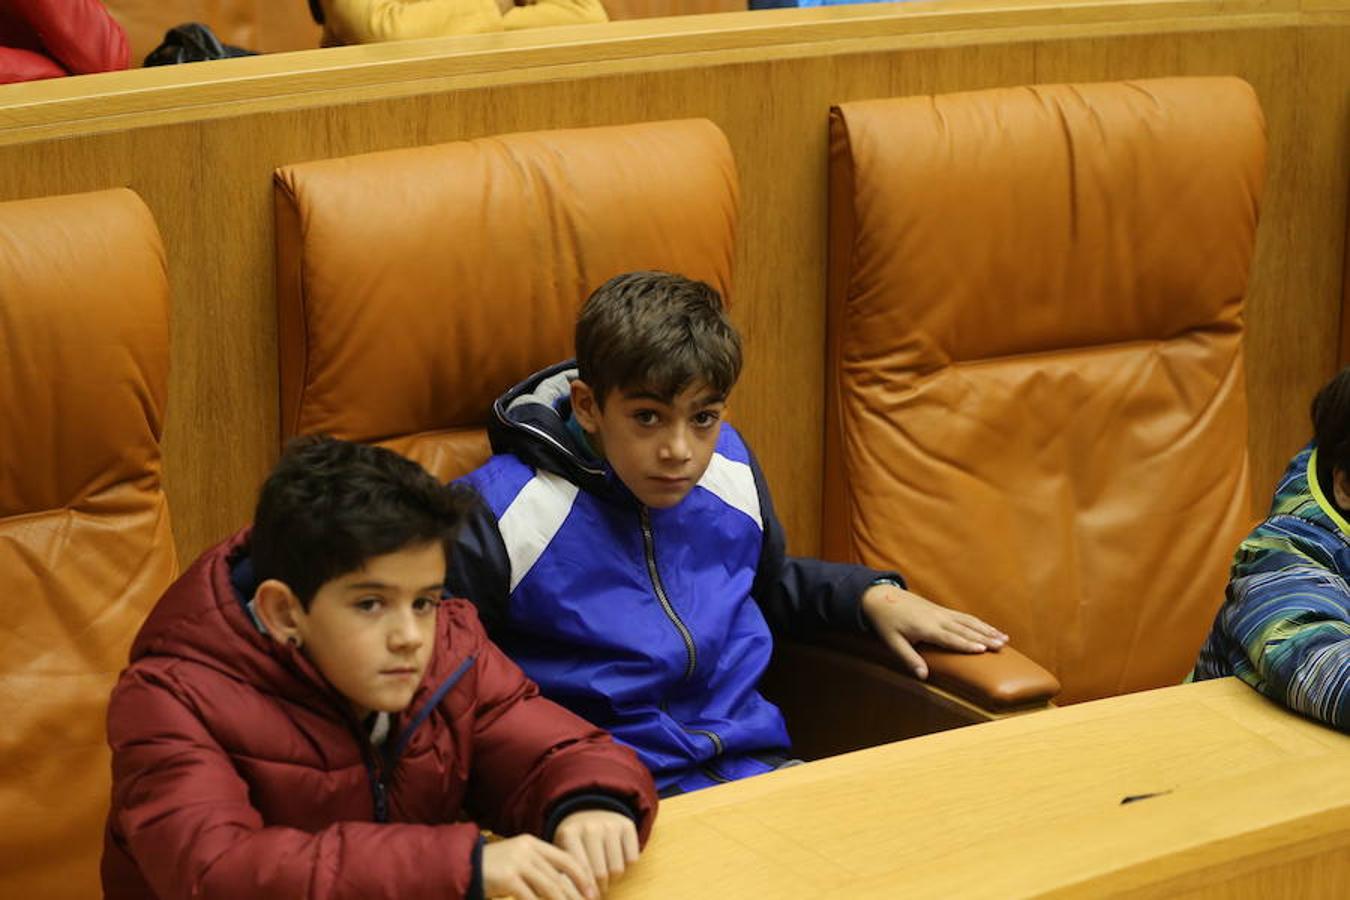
707,418
426,604
368,604
646,417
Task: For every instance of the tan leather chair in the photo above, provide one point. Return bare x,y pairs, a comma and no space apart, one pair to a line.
85,546
1035,404
414,286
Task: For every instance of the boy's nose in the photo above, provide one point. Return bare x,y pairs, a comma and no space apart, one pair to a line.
677,447
405,635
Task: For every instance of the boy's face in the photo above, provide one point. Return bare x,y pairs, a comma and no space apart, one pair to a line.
371,632
658,448
1340,487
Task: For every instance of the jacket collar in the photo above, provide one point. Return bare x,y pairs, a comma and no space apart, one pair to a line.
529,421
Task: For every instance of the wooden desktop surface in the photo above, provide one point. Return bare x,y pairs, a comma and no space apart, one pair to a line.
1251,801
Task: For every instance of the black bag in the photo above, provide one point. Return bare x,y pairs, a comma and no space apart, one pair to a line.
192,42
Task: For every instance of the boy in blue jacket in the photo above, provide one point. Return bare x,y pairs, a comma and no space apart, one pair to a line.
627,555
1285,626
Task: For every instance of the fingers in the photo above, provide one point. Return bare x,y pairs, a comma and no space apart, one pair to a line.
595,856
982,628
570,865
570,842
530,869
956,636
903,649
630,844
518,888
602,842
614,858
980,638
548,883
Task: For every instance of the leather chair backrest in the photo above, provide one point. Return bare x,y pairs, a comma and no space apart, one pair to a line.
415,286
1036,406
85,545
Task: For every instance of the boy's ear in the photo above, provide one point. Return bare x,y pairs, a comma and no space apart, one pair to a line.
280,612
1340,486
585,407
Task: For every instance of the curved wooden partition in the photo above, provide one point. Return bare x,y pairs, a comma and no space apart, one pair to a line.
200,142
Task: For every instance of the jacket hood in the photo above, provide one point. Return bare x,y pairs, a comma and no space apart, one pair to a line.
1300,494
203,618
529,421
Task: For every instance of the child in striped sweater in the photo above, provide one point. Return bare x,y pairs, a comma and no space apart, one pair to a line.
1285,626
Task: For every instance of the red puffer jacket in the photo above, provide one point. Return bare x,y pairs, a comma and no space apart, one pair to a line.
238,772
51,38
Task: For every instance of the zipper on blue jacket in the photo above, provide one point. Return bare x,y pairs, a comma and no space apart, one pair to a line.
649,544
718,747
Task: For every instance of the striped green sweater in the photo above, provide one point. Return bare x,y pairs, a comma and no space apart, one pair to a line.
1285,626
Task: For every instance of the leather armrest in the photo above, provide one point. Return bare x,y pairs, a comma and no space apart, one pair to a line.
1001,680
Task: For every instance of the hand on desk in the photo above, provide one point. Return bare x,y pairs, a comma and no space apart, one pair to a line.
527,868
604,842
902,618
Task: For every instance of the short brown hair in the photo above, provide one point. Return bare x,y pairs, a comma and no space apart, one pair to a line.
658,332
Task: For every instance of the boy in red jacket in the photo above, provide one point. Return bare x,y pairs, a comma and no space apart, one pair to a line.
306,716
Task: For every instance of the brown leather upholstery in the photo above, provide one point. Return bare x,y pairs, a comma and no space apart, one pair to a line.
85,547
996,682
1036,406
414,286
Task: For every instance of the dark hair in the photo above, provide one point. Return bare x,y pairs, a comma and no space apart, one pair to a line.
330,505
316,10
658,332
1331,429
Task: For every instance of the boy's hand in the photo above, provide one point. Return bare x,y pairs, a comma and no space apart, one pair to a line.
602,840
903,618
527,868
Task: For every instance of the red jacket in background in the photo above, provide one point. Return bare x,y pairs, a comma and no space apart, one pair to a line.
239,772
51,38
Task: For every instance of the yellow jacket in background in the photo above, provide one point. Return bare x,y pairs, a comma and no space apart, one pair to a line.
371,21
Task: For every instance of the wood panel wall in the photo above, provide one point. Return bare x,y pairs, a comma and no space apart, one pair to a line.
199,143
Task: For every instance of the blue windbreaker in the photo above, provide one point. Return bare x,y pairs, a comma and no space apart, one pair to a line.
652,623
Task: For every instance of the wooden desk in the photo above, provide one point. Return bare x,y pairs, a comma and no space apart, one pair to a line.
1257,804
